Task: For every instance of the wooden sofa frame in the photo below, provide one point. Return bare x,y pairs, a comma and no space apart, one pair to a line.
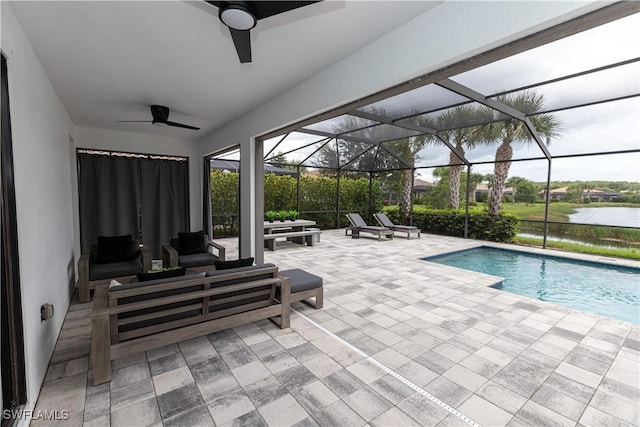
108,343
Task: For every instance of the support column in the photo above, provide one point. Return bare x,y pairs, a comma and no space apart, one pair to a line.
249,182
546,206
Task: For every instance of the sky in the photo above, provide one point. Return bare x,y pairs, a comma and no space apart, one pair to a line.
610,126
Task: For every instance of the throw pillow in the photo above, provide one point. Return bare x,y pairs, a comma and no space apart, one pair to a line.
114,284
192,243
114,248
225,265
161,274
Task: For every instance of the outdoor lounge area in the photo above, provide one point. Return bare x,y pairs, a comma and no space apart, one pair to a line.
405,343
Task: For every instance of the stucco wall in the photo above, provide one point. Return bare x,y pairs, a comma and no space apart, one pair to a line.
41,129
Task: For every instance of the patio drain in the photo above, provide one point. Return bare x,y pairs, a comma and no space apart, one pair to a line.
393,373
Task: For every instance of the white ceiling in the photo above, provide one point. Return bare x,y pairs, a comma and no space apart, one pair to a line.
110,60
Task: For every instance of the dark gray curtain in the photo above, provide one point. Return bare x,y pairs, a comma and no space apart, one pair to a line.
206,197
108,192
164,201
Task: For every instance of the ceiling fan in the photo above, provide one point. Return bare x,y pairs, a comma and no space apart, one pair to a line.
160,114
242,16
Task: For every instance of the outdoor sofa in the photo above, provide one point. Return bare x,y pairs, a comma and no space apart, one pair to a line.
134,317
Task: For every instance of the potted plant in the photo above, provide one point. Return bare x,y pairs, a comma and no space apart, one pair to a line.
293,215
282,215
271,215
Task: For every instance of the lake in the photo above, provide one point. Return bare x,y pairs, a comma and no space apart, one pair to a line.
623,217
617,216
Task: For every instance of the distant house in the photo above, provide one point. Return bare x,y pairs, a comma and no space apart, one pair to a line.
593,195
482,192
420,187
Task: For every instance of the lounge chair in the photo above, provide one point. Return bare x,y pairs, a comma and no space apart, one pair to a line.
358,225
384,221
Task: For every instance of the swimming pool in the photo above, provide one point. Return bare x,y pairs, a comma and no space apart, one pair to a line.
598,288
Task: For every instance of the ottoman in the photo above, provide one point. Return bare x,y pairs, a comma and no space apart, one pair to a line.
303,286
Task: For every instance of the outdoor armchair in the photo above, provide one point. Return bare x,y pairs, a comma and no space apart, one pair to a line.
359,225
194,251
112,257
384,221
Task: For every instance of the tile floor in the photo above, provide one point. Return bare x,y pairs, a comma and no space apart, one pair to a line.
400,342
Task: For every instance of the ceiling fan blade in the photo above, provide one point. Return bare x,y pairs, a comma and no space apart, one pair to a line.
242,41
180,125
265,9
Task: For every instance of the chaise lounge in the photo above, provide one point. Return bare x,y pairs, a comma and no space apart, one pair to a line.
384,221
359,225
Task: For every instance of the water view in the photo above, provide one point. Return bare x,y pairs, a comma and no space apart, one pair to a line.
618,216
600,236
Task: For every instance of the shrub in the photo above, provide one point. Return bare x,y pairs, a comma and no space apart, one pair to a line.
482,226
317,198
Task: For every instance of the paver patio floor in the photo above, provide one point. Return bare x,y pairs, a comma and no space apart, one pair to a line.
400,342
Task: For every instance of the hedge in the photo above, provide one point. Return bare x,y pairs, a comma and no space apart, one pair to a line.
317,198
482,226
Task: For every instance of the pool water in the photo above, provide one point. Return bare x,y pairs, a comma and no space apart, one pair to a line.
598,288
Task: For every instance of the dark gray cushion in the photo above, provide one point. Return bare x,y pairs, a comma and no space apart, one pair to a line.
135,284
235,270
134,251
236,263
301,280
197,260
114,248
237,294
161,274
160,294
115,269
192,243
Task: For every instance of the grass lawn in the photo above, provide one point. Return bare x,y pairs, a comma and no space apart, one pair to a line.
559,212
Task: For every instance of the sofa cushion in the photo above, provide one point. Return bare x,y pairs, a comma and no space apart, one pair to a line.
197,260
115,269
188,275
161,274
192,243
236,263
238,297
239,269
175,314
114,248
301,280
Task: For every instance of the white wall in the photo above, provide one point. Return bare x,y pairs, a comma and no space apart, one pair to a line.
444,35
149,144
40,130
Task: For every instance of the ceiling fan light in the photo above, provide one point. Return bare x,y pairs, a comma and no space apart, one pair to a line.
158,123
238,17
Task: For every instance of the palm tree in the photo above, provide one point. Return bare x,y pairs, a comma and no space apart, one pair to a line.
459,138
507,132
408,149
